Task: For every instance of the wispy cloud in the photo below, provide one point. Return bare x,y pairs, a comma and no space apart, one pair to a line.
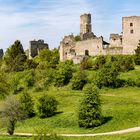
52,19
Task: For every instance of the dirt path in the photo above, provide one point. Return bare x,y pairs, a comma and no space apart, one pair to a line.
135,129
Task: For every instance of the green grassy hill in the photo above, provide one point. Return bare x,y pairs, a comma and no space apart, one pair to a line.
120,107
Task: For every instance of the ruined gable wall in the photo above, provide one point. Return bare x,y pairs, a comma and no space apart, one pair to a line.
94,46
115,40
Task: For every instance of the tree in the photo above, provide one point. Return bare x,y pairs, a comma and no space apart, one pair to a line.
15,57
89,114
13,112
137,54
27,104
78,80
47,106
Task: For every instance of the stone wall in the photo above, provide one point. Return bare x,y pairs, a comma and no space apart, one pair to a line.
36,46
115,40
131,33
1,53
92,46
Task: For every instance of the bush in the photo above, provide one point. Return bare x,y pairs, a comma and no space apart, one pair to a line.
43,78
123,63
130,82
21,80
47,106
4,86
63,73
107,76
78,80
86,63
43,135
89,114
137,54
27,104
99,62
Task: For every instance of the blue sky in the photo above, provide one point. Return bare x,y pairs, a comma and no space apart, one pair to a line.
52,19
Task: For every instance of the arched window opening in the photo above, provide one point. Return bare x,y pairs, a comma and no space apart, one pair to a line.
86,52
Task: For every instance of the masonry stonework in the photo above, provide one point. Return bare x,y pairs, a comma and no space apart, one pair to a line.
90,44
36,46
1,53
131,33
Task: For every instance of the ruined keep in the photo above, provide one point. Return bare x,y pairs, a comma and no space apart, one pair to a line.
36,46
90,44
131,33
1,53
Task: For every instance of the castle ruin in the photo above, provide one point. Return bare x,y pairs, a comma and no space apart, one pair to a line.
90,44
36,46
1,53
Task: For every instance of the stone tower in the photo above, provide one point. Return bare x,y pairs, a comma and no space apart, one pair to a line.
1,53
131,33
36,46
85,24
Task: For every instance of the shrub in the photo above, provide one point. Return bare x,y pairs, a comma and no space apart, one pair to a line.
43,135
78,80
107,76
43,78
123,63
89,114
47,106
137,54
99,62
63,73
86,63
27,104
4,86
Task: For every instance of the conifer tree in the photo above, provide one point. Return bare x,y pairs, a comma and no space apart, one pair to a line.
90,108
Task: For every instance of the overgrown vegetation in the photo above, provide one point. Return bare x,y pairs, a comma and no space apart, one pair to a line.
47,106
23,77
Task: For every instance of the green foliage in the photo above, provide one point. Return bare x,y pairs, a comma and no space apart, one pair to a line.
77,38
43,78
13,112
21,80
107,76
15,57
27,104
55,58
63,73
78,80
48,56
137,54
123,63
86,63
4,86
44,134
99,62
31,64
47,106
89,114
44,55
